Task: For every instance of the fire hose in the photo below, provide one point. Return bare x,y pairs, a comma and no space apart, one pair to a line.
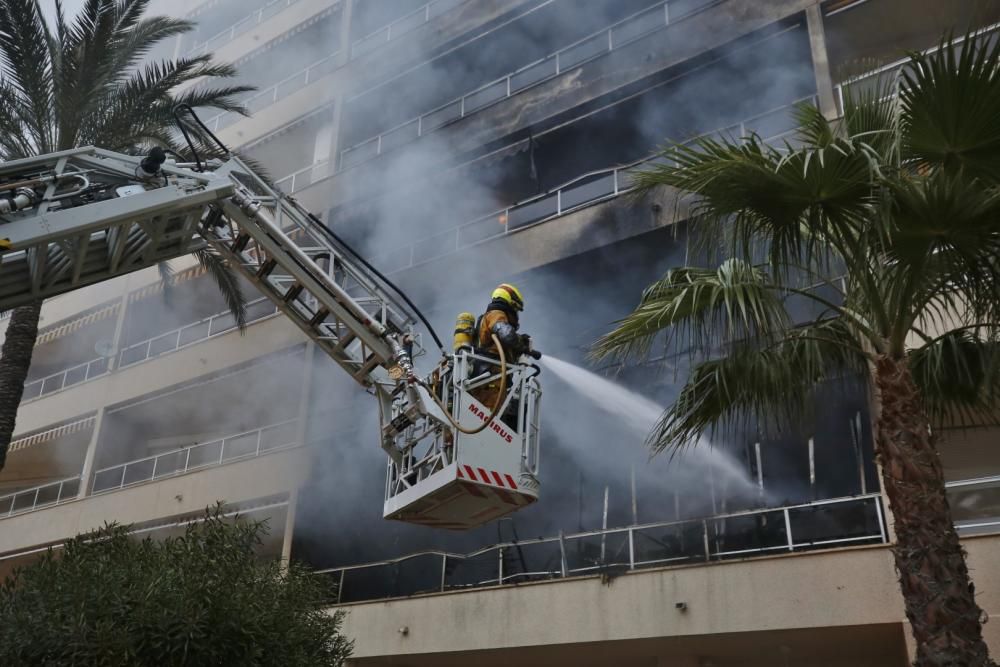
496,404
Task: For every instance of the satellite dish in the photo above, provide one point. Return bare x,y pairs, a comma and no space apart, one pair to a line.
105,348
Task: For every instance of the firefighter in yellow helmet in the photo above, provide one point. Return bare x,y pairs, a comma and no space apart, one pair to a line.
502,320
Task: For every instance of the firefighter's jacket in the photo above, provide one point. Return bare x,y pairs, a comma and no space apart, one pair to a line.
500,320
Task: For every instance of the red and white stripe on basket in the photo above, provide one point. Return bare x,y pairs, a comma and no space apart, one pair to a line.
491,477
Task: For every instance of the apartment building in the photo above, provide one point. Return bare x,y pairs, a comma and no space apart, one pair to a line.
456,144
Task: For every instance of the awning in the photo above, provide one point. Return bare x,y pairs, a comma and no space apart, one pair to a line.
60,330
52,434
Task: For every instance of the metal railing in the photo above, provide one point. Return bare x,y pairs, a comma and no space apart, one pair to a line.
825,523
213,325
304,177
70,377
249,444
623,32
242,26
287,86
878,76
975,504
37,497
188,334
270,95
401,26
585,190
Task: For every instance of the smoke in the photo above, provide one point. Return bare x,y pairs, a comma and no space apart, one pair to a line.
406,206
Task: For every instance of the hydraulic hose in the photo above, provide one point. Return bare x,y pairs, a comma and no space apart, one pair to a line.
496,404
319,223
379,274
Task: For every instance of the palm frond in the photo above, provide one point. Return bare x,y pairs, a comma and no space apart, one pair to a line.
143,104
24,57
872,115
702,308
799,207
229,285
766,386
951,102
958,375
814,130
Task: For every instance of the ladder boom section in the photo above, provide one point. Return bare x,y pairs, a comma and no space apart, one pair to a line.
86,215
77,217
315,280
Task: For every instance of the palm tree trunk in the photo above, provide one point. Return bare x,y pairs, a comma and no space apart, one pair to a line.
937,592
15,359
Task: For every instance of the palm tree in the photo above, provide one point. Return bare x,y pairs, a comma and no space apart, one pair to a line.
83,83
887,222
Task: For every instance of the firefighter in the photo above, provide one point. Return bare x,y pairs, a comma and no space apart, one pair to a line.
501,319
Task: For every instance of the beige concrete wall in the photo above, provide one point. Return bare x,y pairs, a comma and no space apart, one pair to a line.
271,474
856,586
814,593
184,365
272,28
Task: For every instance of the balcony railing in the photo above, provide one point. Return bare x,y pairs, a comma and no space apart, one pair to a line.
176,339
825,523
231,448
586,190
975,504
190,334
623,32
278,91
877,78
242,26
65,379
401,26
38,497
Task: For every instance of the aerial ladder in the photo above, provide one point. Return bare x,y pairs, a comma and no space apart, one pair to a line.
86,215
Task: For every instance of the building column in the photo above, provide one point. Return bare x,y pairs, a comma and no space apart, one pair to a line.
346,14
821,62
343,58
286,542
116,338
90,458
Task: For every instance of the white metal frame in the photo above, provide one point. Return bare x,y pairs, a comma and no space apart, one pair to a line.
624,558
261,446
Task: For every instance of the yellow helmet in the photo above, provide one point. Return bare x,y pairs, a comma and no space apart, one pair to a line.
509,294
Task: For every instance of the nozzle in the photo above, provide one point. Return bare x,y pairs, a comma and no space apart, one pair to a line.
534,354
150,165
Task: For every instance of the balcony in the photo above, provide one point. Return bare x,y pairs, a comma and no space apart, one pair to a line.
821,524
279,91
161,371
249,444
886,78
273,473
37,497
593,46
583,191
72,376
241,27
189,334
229,449
401,26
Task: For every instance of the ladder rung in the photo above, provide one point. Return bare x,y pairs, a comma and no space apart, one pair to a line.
241,242
292,293
266,268
319,317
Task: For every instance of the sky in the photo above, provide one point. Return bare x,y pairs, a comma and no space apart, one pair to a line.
70,7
